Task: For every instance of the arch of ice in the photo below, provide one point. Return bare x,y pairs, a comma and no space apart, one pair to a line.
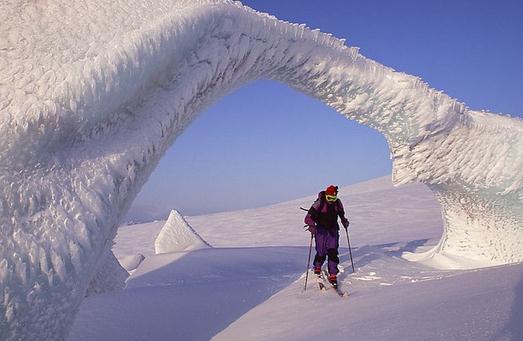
92,93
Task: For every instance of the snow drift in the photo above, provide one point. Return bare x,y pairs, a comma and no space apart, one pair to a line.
177,235
131,262
93,93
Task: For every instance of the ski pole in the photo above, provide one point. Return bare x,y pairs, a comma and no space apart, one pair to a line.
350,252
308,264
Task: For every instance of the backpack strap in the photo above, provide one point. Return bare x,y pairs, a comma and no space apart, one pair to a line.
322,203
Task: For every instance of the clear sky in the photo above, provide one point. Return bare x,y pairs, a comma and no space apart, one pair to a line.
267,143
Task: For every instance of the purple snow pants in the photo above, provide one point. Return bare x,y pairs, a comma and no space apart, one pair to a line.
327,242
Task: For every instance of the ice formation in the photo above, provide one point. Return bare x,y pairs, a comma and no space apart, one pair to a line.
177,235
92,93
109,276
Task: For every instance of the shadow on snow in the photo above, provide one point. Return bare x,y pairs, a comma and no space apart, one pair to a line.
192,297
195,295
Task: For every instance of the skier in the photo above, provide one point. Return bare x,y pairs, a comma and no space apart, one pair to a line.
322,219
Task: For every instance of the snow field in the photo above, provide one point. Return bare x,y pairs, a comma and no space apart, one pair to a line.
254,286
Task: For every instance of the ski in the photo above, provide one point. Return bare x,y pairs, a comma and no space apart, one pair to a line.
339,291
334,286
321,282
322,286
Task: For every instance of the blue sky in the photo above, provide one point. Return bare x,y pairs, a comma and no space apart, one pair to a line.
267,143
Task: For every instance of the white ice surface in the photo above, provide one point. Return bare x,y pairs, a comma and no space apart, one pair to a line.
251,283
110,276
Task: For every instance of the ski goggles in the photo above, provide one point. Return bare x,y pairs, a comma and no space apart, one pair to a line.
331,198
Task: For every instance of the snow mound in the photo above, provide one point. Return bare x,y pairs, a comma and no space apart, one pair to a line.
131,262
177,235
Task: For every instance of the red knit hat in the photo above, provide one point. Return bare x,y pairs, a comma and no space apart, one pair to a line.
331,190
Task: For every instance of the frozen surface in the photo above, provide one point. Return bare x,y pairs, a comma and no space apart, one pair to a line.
176,235
379,212
254,286
89,104
110,276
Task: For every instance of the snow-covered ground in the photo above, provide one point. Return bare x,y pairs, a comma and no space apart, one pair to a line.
250,283
93,93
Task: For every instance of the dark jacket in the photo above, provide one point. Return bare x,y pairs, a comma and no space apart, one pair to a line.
325,214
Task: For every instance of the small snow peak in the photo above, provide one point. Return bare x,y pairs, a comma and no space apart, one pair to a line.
177,235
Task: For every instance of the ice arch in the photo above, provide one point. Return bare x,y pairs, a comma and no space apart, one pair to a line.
92,93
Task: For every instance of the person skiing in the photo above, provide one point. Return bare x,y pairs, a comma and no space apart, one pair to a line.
322,219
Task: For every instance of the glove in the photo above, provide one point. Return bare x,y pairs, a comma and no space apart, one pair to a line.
312,229
345,223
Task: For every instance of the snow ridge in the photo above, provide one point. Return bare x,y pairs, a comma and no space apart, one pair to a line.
90,103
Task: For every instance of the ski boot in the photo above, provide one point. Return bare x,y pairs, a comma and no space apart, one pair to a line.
333,280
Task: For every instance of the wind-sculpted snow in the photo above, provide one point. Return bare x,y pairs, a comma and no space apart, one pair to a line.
177,235
93,93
